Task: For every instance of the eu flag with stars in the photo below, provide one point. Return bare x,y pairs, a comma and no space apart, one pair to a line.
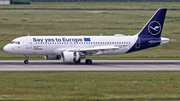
87,39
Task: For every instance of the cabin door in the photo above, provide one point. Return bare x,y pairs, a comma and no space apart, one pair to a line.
28,43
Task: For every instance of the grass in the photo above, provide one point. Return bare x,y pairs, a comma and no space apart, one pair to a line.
89,85
17,24
96,6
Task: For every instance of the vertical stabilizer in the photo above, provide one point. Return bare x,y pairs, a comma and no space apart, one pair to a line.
155,25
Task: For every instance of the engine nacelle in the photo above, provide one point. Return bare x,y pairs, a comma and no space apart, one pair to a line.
52,57
70,56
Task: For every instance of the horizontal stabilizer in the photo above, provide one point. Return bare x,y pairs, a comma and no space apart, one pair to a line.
162,41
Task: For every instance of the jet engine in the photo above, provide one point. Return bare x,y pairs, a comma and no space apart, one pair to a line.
52,57
70,56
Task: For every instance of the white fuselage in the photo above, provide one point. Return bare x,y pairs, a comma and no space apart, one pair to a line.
46,45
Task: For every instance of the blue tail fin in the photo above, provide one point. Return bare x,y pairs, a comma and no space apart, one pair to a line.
154,26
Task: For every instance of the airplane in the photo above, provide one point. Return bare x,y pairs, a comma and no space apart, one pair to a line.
75,48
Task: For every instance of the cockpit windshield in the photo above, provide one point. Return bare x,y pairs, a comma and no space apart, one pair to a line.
14,42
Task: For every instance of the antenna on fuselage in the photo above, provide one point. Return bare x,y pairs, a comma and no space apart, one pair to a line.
28,34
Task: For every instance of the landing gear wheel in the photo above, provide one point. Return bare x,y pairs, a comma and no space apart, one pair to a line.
88,61
26,61
78,61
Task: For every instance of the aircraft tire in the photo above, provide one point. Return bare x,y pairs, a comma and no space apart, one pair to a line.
26,61
88,61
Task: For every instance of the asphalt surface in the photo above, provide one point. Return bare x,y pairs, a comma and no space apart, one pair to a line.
98,65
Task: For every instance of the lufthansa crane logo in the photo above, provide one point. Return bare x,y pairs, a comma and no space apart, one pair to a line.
154,28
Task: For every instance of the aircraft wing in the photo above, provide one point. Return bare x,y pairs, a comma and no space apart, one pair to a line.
99,48
94,50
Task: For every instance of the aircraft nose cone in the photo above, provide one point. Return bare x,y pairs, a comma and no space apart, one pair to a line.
6,49
10,49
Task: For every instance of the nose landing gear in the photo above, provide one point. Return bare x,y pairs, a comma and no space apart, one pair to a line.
26,59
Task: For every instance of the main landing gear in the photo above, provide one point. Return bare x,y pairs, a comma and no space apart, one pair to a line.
26,59
88,61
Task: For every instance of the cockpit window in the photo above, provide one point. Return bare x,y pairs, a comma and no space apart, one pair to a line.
14,42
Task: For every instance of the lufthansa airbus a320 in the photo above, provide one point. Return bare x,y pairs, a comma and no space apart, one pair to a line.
74,48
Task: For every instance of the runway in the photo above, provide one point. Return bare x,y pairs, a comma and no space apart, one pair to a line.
93,11
98,65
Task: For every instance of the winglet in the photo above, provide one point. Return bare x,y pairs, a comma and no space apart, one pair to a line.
154,26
